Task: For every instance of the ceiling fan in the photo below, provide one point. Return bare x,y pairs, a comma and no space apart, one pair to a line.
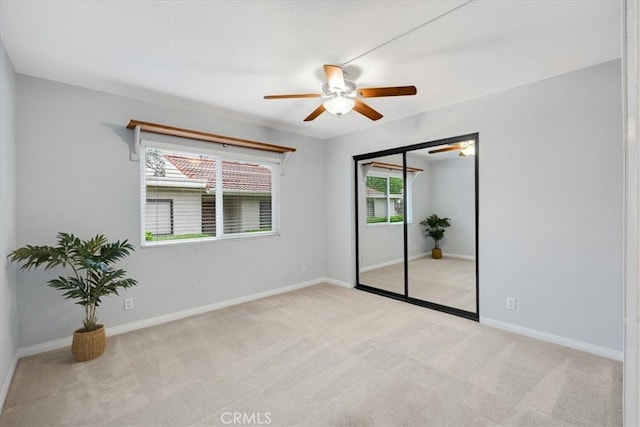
467,148
341,95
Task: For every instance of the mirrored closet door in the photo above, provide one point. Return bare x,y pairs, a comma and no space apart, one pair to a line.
417,224
380,224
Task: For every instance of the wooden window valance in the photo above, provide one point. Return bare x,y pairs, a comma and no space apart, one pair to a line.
391,166
204,136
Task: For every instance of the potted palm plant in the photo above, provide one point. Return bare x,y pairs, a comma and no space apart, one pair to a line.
434,227
92,278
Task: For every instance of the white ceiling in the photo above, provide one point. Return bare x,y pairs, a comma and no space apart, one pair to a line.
223,56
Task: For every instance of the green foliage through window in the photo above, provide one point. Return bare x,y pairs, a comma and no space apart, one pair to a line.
377,183
396,185
149,237
376,219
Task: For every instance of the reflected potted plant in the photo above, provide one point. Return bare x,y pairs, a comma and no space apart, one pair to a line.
434,227
92,278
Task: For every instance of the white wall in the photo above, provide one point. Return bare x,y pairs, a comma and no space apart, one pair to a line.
8,303
418,244
74,175
631,75
453,196
550,203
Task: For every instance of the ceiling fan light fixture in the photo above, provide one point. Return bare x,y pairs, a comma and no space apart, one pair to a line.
341,95
339,105
469,150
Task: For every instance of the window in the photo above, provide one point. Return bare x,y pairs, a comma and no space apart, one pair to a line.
201,195
385,198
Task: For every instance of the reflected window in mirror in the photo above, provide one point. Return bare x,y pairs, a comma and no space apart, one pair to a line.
385,198
384,190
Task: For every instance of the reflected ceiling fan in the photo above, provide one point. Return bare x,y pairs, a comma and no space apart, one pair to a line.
341,95
467,148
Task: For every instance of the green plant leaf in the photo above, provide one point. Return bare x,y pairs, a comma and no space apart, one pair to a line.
434,227
90,262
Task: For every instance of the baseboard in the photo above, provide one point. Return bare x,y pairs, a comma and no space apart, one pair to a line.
411,258
382,264
7,381
467,257
555,339
394,261
44,347
339,283
153,321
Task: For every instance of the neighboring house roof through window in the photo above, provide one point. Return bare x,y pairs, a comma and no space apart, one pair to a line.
236,176
372,192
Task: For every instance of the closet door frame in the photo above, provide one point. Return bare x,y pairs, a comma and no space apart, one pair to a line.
406,298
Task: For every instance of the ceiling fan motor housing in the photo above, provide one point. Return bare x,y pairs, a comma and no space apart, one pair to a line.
348,90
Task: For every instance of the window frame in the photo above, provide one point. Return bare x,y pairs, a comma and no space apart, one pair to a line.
407,187
195,148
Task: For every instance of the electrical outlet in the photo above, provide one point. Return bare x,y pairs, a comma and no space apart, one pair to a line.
128,303
304,270
511,303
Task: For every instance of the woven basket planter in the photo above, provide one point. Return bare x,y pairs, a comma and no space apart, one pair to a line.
436,253
88,345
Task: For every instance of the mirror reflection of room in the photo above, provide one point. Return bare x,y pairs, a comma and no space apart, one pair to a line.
381,222
440,211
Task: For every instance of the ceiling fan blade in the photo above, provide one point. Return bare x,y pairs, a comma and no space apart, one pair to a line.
315,113
442,150
335,76
297,95
365,110
373,92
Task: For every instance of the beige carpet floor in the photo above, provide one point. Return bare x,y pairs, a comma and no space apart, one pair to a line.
447,281
320,356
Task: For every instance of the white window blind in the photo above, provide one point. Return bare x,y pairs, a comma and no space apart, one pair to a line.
159,217
189,195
